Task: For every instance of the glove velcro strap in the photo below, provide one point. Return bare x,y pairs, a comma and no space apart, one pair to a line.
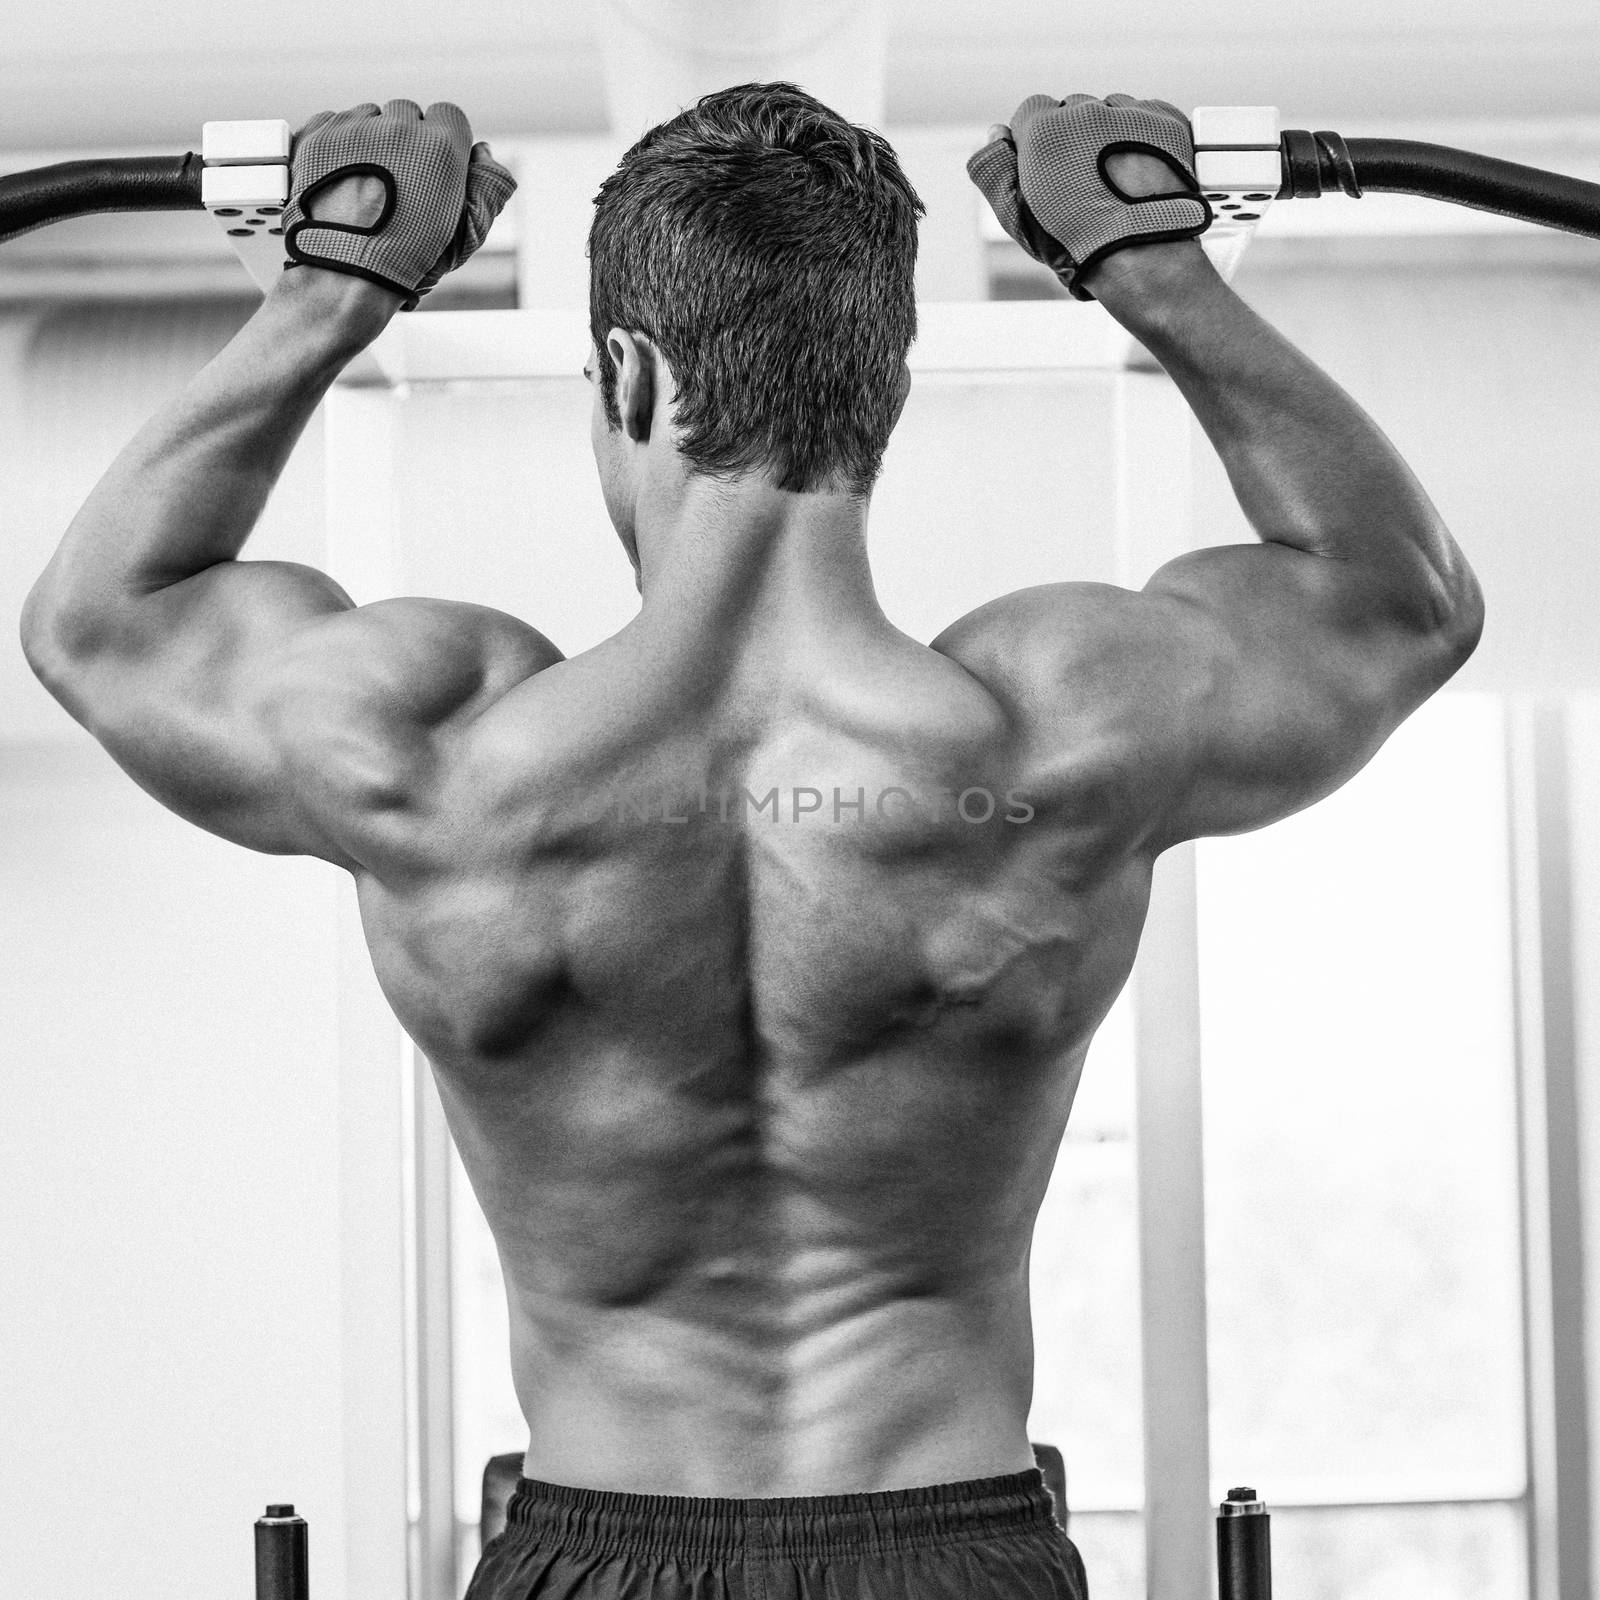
337,255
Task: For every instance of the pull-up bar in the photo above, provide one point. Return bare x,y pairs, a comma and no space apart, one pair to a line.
1242,162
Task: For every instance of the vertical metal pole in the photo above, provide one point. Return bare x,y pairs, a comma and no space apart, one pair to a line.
1172,1286
372,1224
368,555
360,432
430,1411
1153,442
1555,1376
435,1324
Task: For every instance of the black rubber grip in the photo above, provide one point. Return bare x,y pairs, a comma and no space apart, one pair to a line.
1322,163
1406,166
1316,164
81,188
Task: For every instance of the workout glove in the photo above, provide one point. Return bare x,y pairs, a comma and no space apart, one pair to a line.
443,192
1048,184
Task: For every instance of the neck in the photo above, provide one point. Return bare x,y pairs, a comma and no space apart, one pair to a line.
754,556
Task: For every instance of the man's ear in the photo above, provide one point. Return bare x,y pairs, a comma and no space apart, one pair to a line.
635,361
905,390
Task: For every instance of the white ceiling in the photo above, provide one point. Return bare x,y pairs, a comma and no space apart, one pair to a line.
81,74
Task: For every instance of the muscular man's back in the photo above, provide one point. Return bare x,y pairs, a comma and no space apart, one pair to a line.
758,995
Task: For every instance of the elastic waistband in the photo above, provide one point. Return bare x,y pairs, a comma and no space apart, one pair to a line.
895,1519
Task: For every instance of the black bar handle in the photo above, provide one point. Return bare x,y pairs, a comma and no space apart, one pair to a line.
1244,1548
1326,163
282,1571
1313,164
31,199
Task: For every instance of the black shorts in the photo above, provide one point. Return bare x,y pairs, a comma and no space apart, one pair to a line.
954,1541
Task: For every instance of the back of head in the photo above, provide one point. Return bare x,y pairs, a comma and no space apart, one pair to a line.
767,247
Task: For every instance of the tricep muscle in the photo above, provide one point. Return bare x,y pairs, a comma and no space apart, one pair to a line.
1291,672
256,701
1240,685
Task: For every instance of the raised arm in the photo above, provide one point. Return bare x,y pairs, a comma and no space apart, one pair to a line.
205,676
1251,679
1306,651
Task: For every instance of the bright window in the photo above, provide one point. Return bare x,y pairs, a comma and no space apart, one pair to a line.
1362,1209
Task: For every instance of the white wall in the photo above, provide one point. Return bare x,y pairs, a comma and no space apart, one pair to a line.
168,1199
170,1326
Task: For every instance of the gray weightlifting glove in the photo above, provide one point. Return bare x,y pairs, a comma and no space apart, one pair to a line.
442,194
1048,186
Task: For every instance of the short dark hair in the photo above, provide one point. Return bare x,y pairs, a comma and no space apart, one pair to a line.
766,246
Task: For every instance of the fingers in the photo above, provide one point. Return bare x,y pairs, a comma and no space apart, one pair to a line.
489,186
323,118
442,113
1034,106
483,159
1037,103
1131,102
311,124
994,170
446,114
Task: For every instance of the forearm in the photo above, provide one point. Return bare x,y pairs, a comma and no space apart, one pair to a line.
1311,470
185,494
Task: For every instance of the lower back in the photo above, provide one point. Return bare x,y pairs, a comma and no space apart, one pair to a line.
887,1393
815,1283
